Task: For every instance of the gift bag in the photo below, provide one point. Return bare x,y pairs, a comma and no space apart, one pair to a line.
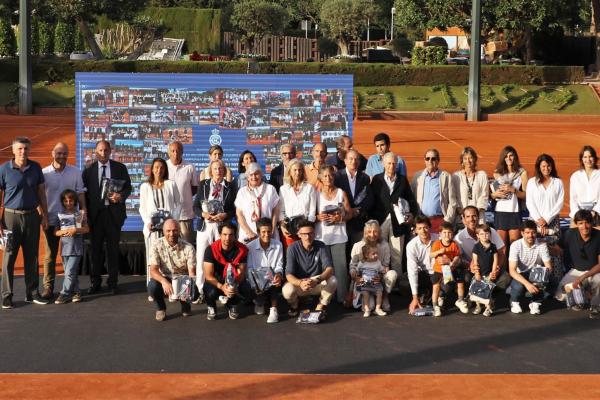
539,276
309,317
481,291
447,274
261,278
575,297
184,288
109,186
6,241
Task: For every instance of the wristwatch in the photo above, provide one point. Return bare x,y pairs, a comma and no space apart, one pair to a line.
318,278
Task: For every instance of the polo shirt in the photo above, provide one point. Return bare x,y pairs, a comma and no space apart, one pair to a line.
304,263
375,165
584,255
432,205
485,257
20,188
528,257
467,242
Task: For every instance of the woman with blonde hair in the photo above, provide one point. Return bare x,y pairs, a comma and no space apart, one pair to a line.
472,184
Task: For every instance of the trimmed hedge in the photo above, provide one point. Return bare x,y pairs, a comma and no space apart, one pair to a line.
364,74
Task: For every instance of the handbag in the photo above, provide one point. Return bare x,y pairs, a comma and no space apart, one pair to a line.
539,276
481,291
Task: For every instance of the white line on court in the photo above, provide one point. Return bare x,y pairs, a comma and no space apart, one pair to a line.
590,133
33,137
448,139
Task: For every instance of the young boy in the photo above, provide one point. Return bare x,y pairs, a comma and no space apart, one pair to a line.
485,262
368,268
446,252
71,243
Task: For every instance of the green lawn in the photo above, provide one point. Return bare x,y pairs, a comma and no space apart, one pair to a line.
423,98
51,95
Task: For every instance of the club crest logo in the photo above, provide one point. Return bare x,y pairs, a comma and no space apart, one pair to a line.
215,137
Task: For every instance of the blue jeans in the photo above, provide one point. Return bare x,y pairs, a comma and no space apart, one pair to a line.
517,290
71,282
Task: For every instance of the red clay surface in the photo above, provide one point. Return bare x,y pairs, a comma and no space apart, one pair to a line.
298,387
411,139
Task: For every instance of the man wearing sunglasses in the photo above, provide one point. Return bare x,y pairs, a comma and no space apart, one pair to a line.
435,191
583,245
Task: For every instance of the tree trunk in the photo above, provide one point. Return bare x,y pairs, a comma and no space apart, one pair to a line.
343,45
595,29
147,41
90,39
529,50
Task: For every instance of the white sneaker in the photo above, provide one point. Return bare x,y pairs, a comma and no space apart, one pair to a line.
440,301
477,309
223,299
437,311
515,307
259,309
150,299
367,312
385,304
380,312
211,313
488,312
534,308
462,306
273,316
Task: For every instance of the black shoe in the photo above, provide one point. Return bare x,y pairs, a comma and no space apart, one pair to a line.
186,309
233,313
7,303
114,290
94,289
594,313
37,299
62,299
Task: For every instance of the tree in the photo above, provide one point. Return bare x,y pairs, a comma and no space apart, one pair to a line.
252,20
84,12
345,20
8,40
64,38
595,29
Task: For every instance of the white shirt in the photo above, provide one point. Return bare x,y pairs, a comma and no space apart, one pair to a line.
389,181
172,202
246,202
352,181
583,190
56,182
184,176
333,233
466,243
512,204
383,251
293,204
418,259
528,257
106,175
545,202
271,257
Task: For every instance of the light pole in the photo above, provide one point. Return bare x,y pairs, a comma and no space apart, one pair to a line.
25,102
392,27
473,104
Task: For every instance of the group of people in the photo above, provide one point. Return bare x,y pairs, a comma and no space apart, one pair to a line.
342,227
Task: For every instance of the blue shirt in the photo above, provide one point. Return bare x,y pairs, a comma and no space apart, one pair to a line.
375,165
432,204
21,188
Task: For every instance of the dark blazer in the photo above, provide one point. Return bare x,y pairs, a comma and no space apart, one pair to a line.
383,200
340,164
92,195
276,178
362,184
203,193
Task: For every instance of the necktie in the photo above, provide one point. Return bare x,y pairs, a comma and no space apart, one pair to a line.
216,191
103,172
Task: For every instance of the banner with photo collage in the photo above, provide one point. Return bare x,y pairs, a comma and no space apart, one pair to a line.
140,114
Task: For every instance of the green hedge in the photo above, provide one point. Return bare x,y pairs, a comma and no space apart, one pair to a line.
364,74
201,28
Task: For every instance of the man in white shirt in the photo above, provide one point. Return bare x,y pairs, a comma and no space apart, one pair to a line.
418,263
525,254
265,253
58,176
184,175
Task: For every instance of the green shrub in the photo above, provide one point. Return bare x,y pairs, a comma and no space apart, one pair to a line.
64,38
525,101
35,36
8,40
46,37
430,55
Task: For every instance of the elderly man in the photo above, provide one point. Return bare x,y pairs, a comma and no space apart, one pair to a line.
311,171
184,175
356,185
309,270
342,144
265,253
24,202
218,257
58,176
169,256
583,245
375,162
526,253
435,192
388,188
288,153
467,238
418,263
105,215
372,235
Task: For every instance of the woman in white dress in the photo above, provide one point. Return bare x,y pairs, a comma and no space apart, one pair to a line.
157,193
297,198
333,212
584,188
472,184
254,201
215,153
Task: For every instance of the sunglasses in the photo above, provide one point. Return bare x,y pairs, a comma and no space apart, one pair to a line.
287,153
431,158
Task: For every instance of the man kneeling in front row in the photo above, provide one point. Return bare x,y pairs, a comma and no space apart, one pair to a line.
225,272
169,256
309,270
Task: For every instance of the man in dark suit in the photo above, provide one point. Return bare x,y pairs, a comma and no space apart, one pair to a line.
288,153
343,144
388,187
105,216
356,185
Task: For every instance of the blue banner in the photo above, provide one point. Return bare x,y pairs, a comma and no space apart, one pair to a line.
140,114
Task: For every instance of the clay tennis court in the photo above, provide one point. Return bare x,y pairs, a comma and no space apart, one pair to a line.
562,140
